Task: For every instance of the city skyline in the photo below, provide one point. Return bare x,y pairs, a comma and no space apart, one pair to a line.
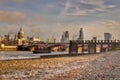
48,18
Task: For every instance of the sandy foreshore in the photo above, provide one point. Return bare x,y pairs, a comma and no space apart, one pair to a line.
105,66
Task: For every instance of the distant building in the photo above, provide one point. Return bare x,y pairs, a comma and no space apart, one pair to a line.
16,37
21,34
54,40
65,37
107,36
20,37
34,39
81,35
7,37
94,38
19,42
0,39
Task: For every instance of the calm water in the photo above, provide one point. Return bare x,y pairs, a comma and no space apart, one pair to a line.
6,55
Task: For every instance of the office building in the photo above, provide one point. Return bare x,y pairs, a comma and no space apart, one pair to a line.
65,37
81,35
107,36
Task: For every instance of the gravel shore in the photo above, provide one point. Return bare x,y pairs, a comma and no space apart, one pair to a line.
105,66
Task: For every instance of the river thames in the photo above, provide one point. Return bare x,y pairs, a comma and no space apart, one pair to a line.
9,55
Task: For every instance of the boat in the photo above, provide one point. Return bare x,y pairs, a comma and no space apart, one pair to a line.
41,51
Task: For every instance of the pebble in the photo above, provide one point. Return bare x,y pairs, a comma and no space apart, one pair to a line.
105,67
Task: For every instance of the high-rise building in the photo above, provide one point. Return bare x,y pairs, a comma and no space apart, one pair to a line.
107,36
65,37
81,35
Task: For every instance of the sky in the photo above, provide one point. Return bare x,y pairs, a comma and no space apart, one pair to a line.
48,19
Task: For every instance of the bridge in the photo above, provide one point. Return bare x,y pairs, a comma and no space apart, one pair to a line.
91,46
51,46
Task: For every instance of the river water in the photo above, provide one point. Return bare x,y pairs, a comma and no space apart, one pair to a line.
9,55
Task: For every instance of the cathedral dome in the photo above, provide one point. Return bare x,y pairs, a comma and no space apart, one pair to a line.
21,34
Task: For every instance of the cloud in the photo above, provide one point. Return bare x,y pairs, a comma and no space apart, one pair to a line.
38,18
11,17
96,28
19,1
1,1
47,31
85,7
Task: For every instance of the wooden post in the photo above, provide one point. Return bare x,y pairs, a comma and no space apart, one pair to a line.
70,47
112,44
76,47
89,44
82,46
109,46
94,46
101,48
91,47
73,47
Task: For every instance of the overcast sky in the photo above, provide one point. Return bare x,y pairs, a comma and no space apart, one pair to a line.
50,18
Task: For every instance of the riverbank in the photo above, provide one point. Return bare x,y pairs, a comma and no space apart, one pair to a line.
88,67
